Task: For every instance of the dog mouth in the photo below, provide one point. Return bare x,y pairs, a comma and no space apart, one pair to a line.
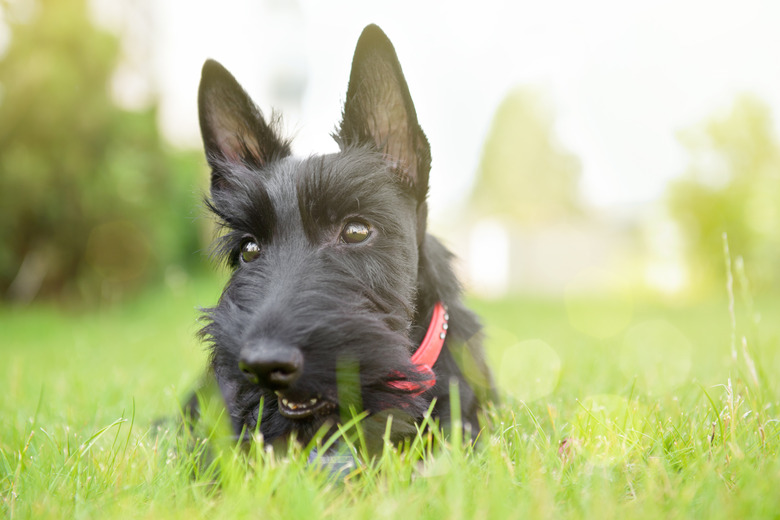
297,408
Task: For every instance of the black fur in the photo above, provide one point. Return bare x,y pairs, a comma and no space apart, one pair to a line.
351,314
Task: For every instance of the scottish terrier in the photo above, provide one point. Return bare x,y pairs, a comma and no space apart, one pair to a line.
339,300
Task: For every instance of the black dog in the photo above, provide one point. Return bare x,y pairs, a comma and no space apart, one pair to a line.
335,283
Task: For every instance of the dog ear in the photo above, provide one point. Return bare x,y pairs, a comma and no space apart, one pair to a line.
232,127
379,110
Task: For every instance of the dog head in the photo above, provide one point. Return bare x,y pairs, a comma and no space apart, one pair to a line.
324,251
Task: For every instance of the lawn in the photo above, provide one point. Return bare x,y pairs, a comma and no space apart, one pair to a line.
611,408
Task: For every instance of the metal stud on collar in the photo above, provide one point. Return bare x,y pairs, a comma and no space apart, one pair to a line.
428,352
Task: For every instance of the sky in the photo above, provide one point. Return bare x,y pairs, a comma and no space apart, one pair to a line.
623,78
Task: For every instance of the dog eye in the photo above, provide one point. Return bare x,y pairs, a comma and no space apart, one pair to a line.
249,251
355,232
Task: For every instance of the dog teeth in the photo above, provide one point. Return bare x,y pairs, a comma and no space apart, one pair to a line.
293,405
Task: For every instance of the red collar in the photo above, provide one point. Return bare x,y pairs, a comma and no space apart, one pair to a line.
428,352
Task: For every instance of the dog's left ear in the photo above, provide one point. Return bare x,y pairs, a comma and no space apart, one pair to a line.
379,110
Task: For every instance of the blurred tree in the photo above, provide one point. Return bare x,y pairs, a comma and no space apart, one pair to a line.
732,185
91,200
525,175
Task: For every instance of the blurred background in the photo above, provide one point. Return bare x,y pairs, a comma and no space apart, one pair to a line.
579,148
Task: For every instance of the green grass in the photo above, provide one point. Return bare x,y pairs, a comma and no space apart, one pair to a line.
653,417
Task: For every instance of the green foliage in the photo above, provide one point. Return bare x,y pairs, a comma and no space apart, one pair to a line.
732,186
91,199
525,175
604,443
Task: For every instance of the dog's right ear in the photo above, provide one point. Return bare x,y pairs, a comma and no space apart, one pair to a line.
379,110
233,128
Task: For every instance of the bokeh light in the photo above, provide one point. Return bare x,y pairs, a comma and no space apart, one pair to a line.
657,354
529,370
600,312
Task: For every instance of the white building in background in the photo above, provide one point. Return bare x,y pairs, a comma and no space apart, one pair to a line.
590,255
549,259
488,257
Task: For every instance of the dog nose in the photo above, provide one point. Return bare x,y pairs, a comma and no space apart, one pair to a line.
271,365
